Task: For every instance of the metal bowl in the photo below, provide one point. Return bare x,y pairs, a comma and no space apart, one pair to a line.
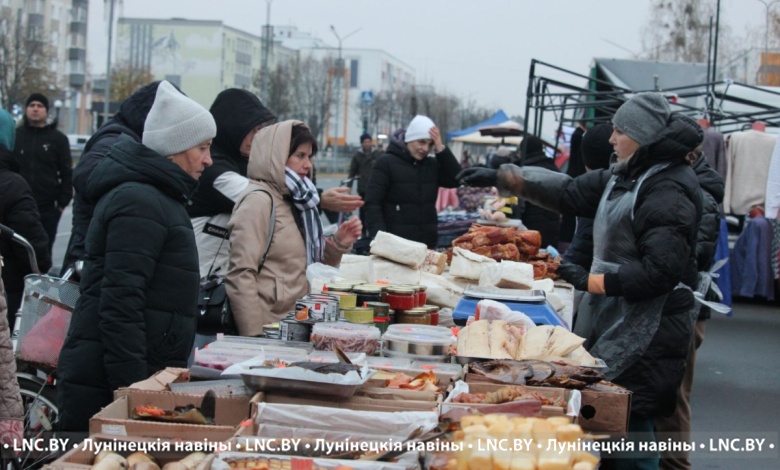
420,349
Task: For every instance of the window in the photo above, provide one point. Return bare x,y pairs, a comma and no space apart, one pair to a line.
353,73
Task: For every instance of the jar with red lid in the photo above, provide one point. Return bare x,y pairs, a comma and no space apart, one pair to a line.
417,316
401,298
420,296
433,311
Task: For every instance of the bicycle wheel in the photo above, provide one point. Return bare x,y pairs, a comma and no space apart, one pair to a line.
39,401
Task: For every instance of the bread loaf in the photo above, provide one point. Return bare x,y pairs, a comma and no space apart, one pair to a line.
508,275
394,273
399,249
490,339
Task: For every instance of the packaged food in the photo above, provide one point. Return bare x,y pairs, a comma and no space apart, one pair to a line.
417,343
400,298
348,337
367,293
417,316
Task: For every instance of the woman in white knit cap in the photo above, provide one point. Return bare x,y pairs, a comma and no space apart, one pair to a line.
136,313
404,185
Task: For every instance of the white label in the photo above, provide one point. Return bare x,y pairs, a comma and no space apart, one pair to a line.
114,429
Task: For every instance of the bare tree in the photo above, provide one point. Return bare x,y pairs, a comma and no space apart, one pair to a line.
126,79
25,55
311,93
280,89
678,30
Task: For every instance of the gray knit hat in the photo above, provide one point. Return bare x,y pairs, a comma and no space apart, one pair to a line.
176,123
643,117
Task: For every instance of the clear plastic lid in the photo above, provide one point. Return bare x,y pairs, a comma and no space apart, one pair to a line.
408,328
418,337
345,330
438,367
388,363
412,357
331,357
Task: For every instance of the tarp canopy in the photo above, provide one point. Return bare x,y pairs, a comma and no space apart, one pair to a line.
494,120
477,138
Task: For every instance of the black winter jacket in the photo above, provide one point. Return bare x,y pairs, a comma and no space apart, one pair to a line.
667,212
361,166
402,192
139,287
19,212
44,158
547,222
129,120
709,229
580,251
236,113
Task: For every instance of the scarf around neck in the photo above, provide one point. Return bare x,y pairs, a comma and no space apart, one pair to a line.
306,198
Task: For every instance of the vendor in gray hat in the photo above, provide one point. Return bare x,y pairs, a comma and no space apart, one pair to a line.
638,310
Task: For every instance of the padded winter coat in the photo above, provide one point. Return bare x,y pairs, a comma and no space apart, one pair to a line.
402,192
44,156
139,287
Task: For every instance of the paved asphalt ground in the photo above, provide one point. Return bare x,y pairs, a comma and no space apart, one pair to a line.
736,391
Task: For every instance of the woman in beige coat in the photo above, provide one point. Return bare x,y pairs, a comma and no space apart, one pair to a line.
279,169
11,411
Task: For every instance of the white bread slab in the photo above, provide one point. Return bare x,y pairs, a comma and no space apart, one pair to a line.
356,267
468,265
435,262
399,249
394,273
508,275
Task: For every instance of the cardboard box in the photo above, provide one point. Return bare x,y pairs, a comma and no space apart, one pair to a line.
378,389
115,418
81,457
559,395
352,403
605,406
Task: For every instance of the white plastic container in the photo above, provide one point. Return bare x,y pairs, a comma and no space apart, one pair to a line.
349,337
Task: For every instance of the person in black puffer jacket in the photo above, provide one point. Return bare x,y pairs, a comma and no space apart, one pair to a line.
139,287
647,207
534,217
19,212
404,184
129,121
678,426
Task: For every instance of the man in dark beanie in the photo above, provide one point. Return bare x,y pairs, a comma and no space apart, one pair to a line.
360,168
44,158
637,312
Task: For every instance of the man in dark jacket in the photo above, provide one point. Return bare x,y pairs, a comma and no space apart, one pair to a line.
136,313
19,212
129,121
404,184
639,306
678,426
534,217
239,115
360,167
43,153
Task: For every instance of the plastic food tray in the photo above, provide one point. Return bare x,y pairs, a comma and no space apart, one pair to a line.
276,384
417,343
414,357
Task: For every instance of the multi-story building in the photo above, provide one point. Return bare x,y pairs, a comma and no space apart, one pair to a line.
63,25
201,57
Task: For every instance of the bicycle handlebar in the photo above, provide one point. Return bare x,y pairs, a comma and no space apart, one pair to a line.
9,234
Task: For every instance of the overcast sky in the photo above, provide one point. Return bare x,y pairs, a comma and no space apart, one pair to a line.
475,49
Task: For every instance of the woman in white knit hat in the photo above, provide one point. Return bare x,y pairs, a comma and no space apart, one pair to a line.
404,185
136,313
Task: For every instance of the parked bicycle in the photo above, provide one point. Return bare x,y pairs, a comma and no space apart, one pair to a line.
38,334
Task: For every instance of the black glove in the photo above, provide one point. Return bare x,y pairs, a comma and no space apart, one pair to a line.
574,274
480,177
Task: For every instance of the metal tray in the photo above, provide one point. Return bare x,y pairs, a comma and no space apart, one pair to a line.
276,384
411,347
466,360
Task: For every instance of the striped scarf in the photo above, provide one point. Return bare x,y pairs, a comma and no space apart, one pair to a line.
305,197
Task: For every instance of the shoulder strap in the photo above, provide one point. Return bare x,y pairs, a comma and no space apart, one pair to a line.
271,225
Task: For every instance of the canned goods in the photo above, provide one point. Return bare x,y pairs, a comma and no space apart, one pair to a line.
401,298
330,309
417,316
420,295
346,299
381,309
358,315
293,330
367,293
433,310
316,310
382,323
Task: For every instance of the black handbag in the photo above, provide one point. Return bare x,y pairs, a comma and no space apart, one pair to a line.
214,314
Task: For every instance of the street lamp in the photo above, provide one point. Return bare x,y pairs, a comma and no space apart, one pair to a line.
767,5
57,106
107,102
340,78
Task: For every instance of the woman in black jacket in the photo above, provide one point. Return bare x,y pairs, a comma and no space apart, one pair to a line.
639,305
404,184
139,287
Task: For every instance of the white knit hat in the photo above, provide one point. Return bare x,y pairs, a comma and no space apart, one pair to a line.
419,129
176,123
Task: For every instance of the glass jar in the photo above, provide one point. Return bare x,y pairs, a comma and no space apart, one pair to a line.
367,293
401,298
433,310
420,296
339,287
416,316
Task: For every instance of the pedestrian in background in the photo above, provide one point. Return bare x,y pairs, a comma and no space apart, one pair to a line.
128,120
19,212
405,182
360,167
536,217
44,157
139,287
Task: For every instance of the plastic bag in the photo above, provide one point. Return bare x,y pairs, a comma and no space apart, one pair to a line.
319,274
491,310
43,343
